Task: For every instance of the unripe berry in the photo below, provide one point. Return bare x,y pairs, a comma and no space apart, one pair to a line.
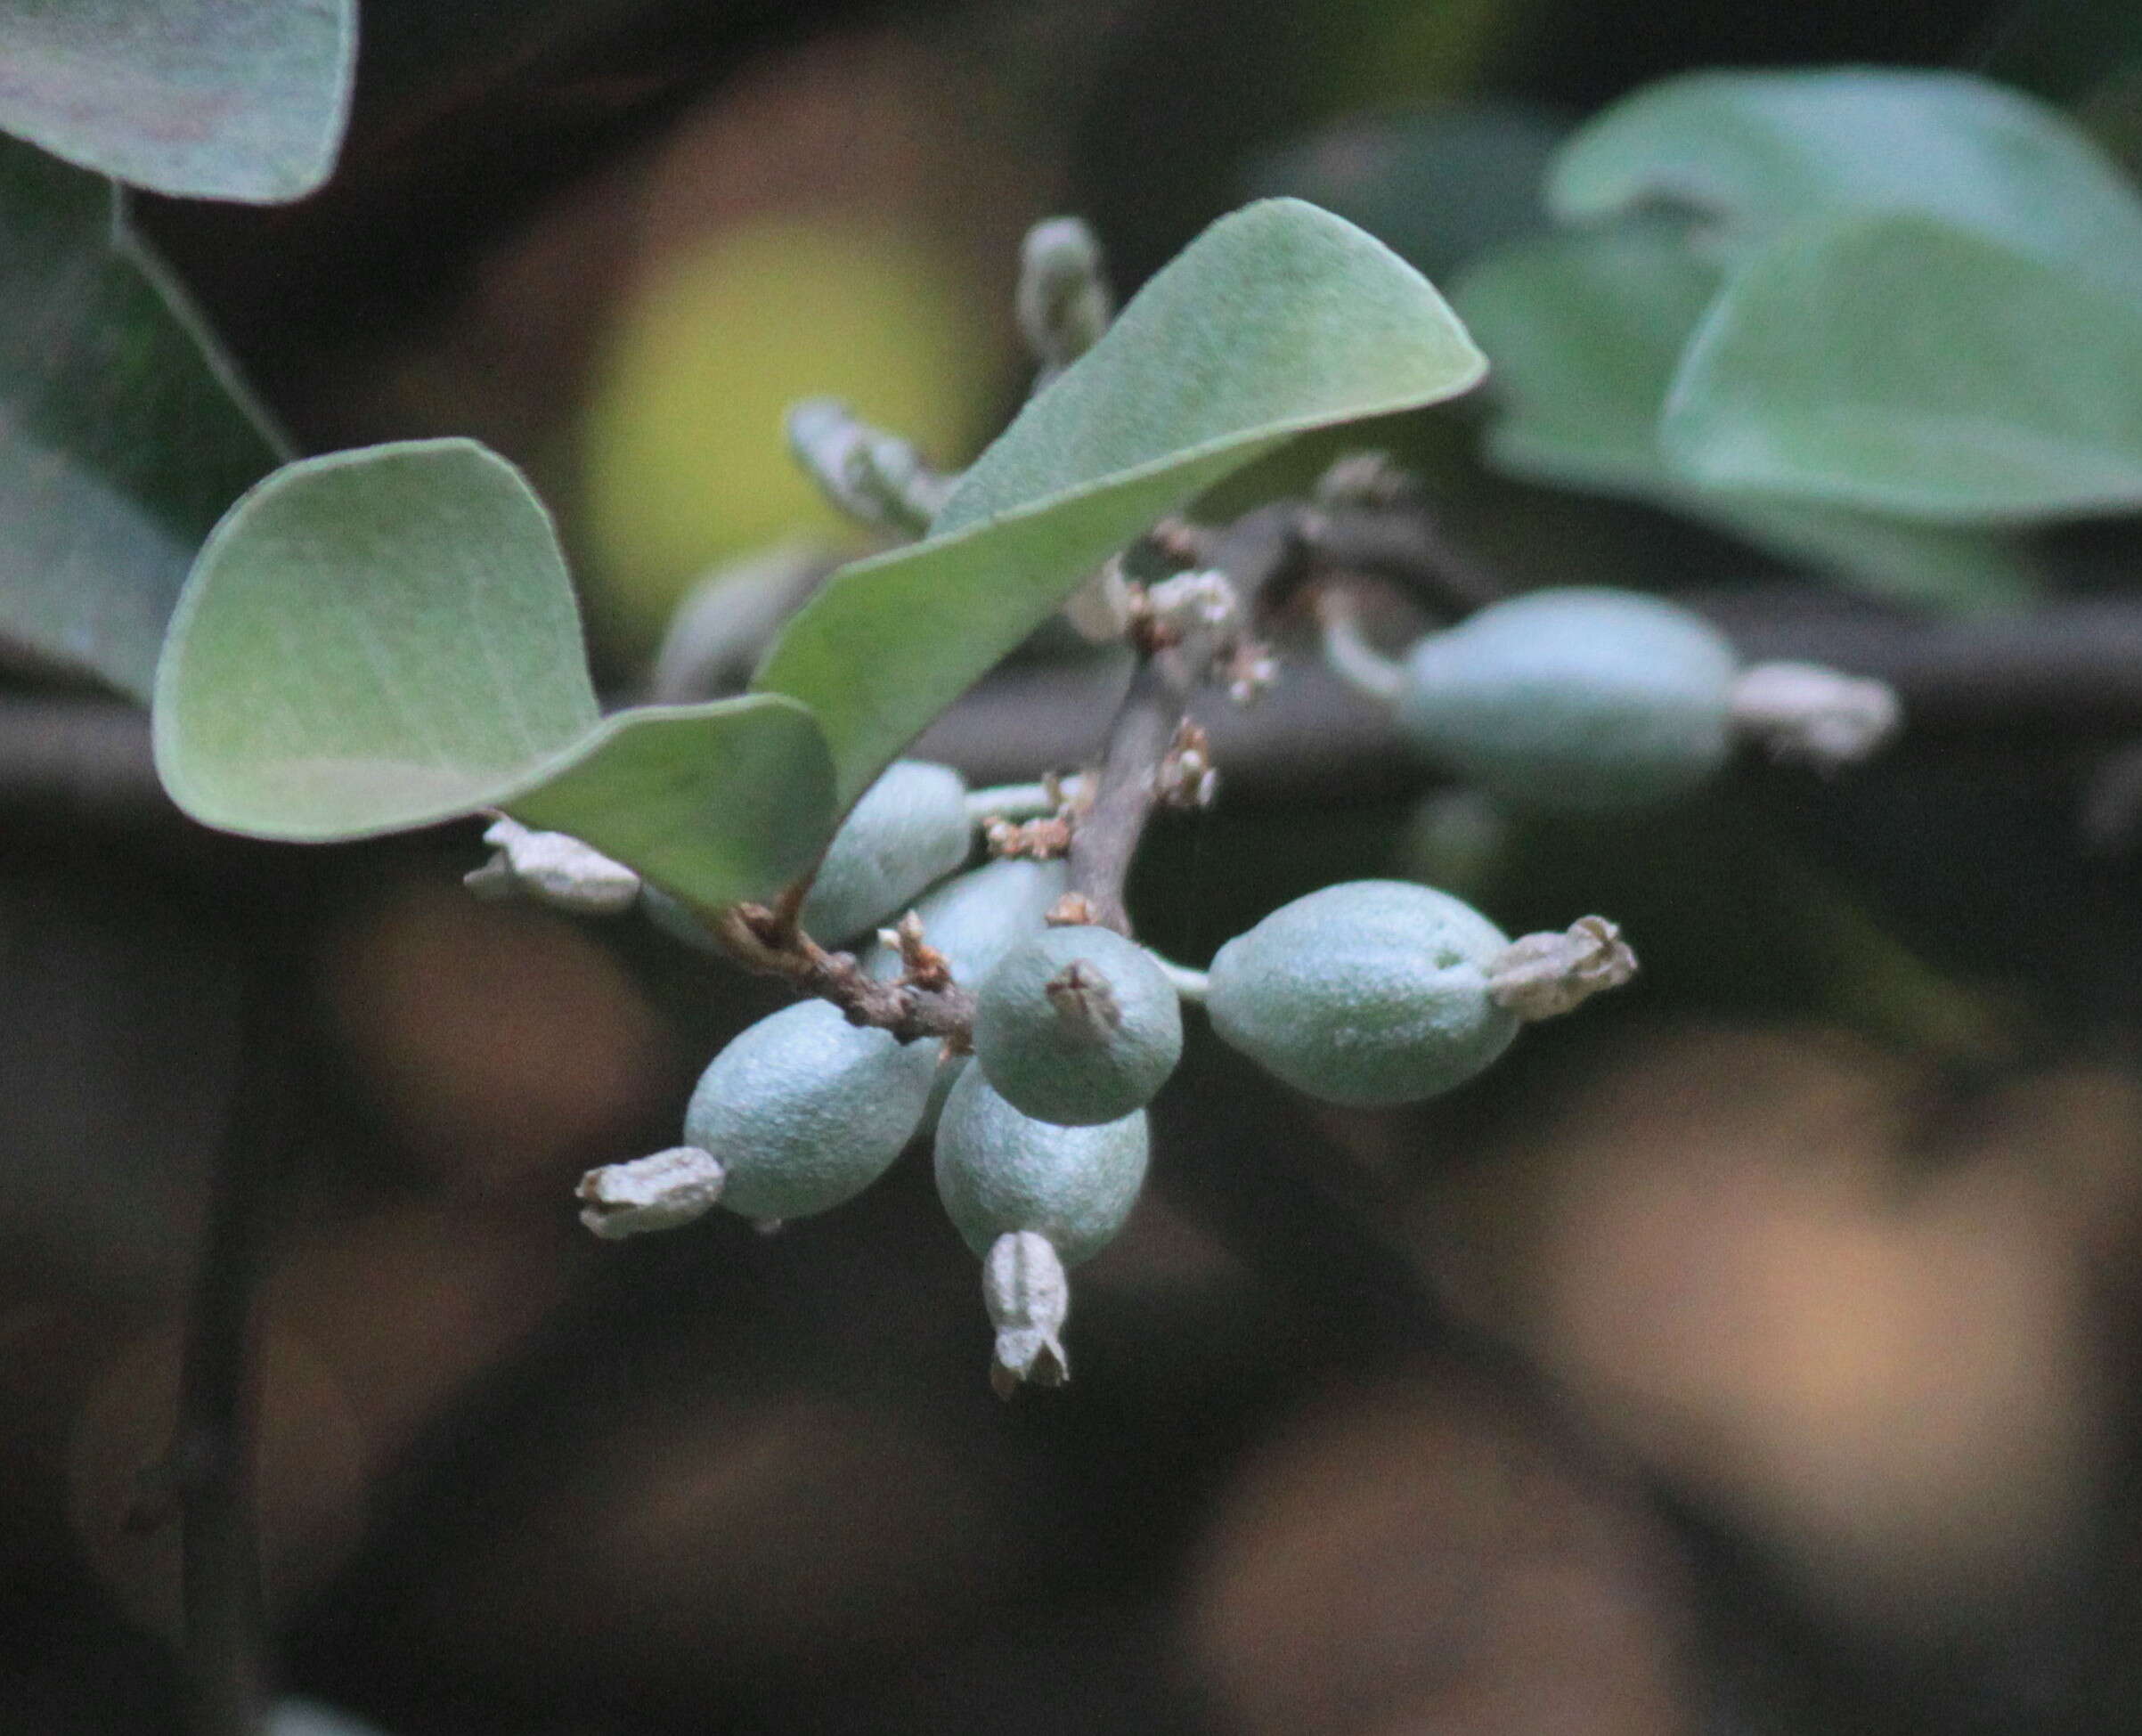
1078,1025
978,917
804,1110
999,1172
910,829
1574,699
1371,992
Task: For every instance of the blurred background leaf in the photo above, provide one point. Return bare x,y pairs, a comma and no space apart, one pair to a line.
1895,363
127,432
1748,154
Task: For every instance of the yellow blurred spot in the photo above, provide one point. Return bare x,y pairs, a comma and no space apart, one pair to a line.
686,460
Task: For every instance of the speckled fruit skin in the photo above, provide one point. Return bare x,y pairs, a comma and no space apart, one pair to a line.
1574,700
998,1172
1048,1068
806,1110
1371,992
910,829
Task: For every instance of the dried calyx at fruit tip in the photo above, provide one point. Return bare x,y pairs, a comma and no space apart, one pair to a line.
1819,716
657,1192
1028,1295
551,868
1542,976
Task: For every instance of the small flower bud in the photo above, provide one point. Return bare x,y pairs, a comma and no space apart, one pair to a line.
552,868
1064,303
1027,1297
875,476
656,1192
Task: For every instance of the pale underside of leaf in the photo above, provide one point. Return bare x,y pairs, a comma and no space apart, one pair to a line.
370,641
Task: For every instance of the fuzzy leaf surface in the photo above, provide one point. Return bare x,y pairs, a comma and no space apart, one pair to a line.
204,99
377,639
1278,319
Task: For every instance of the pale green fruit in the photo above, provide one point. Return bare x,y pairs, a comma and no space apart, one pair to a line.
1574,700
805,1109
1078,1025
998,1172
975,919
1371,992
909,830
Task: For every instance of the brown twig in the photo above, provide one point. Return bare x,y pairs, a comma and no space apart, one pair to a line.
922,1001
1127,787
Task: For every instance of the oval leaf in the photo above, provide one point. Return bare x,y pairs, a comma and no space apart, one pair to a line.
1902,364
205,99
125,435
370,641
715,804
1761,150
1277,319
1587,329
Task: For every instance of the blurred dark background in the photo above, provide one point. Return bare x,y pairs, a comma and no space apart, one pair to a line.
1752,1356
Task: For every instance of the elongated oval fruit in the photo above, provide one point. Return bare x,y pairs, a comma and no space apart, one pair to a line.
999,1172
1374,992
1574,700
804,1110
910,829
1078,1025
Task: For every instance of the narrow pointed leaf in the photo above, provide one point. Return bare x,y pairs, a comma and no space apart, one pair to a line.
204,99
1905,365
1278,319
123,436
1758,151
